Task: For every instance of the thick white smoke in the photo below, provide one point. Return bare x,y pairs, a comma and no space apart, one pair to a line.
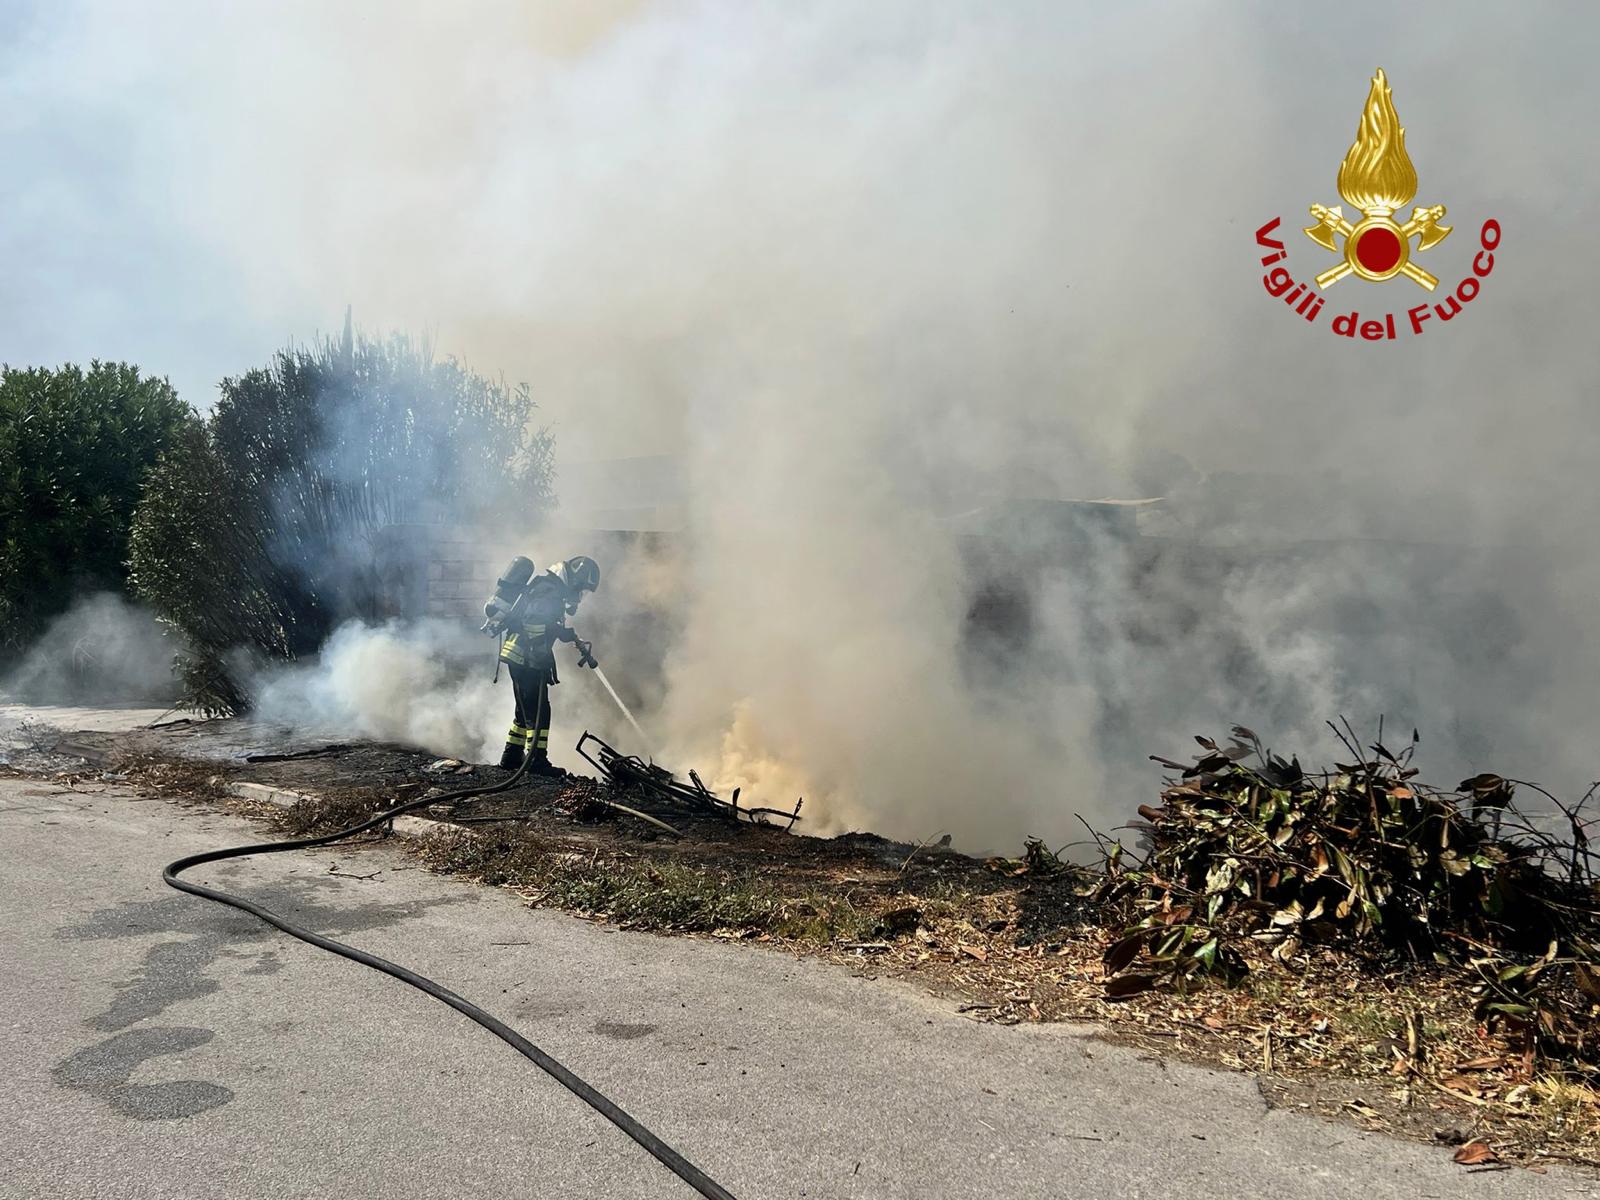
103,650
868,267
421,683
392,683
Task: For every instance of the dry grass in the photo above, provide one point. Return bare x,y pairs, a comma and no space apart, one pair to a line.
640,892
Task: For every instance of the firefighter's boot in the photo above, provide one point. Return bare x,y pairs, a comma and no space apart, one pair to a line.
540,764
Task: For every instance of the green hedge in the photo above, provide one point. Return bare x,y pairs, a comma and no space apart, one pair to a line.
75,447
254,537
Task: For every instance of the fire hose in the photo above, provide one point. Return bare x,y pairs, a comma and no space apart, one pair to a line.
665,1154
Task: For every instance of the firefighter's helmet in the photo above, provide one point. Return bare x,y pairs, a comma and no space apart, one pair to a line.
580,574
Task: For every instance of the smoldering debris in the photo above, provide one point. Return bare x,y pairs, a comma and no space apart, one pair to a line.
629,774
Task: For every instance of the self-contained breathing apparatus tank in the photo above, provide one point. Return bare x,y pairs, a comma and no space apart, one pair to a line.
510,590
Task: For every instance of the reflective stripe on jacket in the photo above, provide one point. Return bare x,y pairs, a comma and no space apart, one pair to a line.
530,643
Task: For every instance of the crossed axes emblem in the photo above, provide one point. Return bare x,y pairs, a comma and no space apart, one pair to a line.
1377,248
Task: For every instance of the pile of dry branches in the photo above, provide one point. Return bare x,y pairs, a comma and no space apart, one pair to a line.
1248,847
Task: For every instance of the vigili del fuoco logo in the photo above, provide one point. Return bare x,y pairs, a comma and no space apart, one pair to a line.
1377,179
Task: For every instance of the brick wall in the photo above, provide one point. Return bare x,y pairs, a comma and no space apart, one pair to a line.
437,570
448,571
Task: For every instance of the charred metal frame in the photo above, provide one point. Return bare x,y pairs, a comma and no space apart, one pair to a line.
625,771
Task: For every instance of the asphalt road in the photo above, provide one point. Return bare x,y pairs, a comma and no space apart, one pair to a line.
153,1045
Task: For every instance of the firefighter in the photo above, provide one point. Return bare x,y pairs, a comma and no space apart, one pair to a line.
533,622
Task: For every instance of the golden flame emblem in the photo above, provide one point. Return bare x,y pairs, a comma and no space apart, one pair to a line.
1377,178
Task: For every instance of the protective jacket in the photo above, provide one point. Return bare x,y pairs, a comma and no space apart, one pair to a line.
540,622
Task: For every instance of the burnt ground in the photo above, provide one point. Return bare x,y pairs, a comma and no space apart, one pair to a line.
1012,939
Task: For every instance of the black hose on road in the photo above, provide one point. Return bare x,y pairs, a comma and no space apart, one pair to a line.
670,1158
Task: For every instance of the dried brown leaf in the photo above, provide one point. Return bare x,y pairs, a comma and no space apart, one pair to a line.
1588,978
1122,952
1130,984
